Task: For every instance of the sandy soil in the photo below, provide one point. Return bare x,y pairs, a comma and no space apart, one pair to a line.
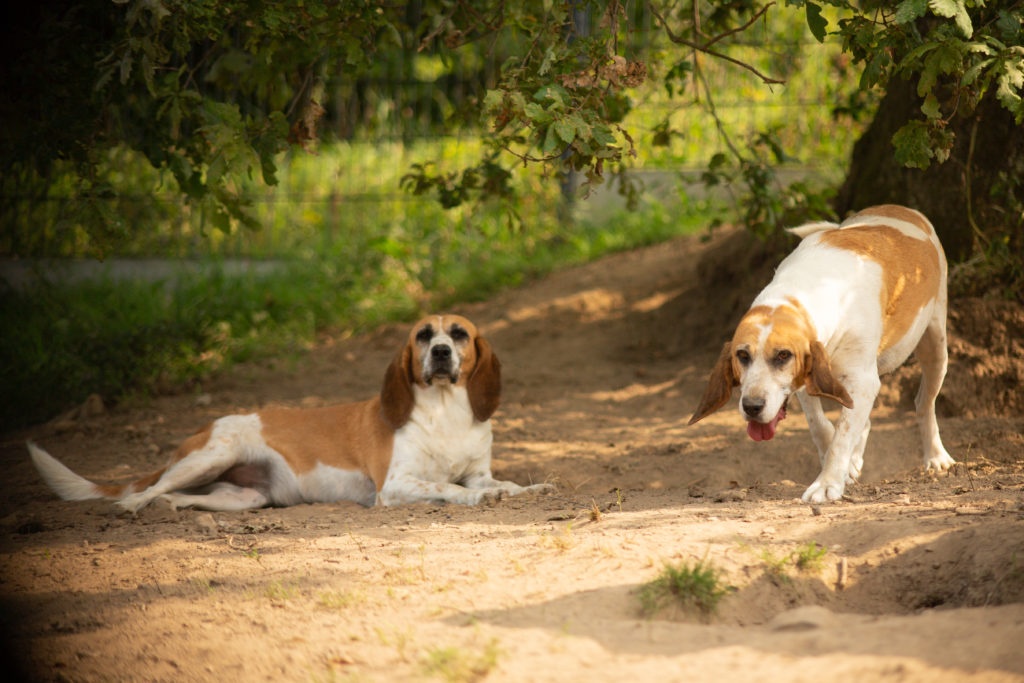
922,577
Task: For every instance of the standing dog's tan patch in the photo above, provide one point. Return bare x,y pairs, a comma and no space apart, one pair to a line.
910,272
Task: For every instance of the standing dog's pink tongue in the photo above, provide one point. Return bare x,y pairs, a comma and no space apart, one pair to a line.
764,431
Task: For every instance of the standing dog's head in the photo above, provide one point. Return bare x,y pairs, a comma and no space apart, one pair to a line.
442,350
773,353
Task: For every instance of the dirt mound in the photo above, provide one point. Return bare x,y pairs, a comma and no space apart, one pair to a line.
912,576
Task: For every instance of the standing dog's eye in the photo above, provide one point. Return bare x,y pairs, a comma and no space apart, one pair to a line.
458,334
743,356
424,335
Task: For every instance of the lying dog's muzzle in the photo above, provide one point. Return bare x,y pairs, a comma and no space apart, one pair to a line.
441,365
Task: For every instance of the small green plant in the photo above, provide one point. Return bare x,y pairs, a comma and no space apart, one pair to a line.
278,592
457,665
694,587
810,557
339,600
775,565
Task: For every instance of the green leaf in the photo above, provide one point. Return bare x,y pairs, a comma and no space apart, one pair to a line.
931,106
955,10
566,130
493,100
549,58
1011,80
909,10
944,8
537,114
972,74
912,145
551,143
816,22
603,135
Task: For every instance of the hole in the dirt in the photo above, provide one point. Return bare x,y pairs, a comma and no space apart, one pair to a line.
980,566
33,527
931,601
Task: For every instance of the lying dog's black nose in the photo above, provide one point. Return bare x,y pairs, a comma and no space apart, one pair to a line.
752,407
441,352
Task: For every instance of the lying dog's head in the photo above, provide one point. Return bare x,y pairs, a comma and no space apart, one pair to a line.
443,350
773,353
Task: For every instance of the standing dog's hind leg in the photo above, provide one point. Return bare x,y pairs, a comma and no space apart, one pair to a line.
932,354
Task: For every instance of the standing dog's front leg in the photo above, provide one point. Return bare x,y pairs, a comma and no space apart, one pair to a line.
821,428
845,453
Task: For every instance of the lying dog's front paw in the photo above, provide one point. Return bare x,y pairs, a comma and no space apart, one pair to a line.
821,492
490,497
543,489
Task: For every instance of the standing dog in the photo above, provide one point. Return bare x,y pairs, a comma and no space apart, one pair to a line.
426,437
849,304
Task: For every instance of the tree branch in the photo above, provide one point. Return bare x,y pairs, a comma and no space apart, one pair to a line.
705,47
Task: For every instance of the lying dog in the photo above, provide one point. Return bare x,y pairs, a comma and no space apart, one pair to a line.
427,437
849,304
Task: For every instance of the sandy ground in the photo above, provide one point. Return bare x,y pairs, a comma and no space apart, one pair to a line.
921,578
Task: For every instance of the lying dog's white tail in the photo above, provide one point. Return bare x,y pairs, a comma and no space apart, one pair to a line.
63,481
803,231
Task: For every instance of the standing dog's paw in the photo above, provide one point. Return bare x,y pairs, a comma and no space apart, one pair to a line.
822,491
940,462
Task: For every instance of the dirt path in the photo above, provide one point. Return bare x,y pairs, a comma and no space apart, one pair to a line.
922,577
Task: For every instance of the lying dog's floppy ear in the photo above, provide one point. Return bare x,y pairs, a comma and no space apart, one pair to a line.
484,384
820,380
396,397
720,384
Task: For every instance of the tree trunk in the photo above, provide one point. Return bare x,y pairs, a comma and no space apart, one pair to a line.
993,171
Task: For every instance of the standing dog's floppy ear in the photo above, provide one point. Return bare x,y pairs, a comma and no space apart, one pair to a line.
820,380
396,399
484,384
720,384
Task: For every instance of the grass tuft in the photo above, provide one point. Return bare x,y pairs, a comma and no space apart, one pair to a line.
695,588
810,557
457,665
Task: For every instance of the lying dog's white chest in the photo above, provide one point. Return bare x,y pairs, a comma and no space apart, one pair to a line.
442,440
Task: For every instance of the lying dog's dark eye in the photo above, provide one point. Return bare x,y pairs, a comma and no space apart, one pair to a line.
783,356
458,334
424,335
743,357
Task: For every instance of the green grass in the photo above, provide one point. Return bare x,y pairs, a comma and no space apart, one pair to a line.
459,665
62,343
696,588
810,557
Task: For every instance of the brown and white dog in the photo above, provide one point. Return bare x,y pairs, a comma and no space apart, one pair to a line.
426,437
850,303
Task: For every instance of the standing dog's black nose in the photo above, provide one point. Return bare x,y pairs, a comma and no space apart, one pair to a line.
441,352
752,407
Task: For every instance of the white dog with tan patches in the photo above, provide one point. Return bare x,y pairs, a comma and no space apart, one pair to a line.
426,437
851,303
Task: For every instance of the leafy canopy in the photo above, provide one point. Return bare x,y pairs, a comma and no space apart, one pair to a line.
213,90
